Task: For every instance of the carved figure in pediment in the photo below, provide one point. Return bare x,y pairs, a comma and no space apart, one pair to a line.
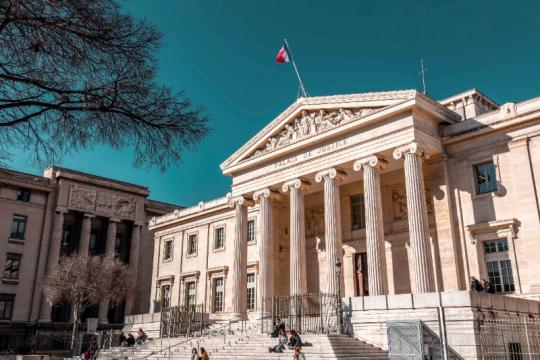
344,115
305,124
313,126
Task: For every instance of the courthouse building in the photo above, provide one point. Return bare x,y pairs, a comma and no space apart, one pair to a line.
59,213
409,194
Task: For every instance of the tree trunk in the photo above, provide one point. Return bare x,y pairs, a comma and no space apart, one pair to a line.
76,320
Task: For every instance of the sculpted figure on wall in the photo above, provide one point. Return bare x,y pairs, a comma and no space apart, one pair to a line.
315,221
310,123
82,198
399,203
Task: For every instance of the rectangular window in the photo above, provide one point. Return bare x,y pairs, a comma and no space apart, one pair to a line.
501,276
251,291
357,212
192,244
23,195
218,295
485,178
190,293
93,245
251,231
495,246
219,238
13,263
167,250
165,296
117,245
6,306
18,227
515,351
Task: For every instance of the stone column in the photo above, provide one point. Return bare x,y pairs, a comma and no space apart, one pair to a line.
298,282
239,267
266,256
376,253
86,230
54,254
417,215
109,256
332,225
134,266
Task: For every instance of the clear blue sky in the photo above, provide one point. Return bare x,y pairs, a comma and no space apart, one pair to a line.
222,54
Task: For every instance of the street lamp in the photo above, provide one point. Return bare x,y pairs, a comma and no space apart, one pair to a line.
339,310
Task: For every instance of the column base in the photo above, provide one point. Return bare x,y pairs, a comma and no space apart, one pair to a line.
103,322
44,320
237,317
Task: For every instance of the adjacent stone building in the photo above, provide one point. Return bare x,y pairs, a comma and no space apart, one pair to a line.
409,194
61,212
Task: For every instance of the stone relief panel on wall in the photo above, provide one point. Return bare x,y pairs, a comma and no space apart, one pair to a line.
315,221
89,199
310,123
399,203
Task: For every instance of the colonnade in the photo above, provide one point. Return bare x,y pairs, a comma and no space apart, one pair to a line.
371,167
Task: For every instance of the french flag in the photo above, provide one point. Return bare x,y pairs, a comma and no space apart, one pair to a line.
283,55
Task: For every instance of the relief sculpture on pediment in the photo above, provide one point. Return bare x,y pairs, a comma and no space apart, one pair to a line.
310,123
82,198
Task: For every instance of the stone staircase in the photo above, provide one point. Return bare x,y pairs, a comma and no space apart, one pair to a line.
247,344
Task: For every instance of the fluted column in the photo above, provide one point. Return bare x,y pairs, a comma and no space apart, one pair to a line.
417,215
239,267
376,253
109,256
266,256
54,254
134,265
332,225
298,279
86,230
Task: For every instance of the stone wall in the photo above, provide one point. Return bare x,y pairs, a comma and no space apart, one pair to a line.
366,317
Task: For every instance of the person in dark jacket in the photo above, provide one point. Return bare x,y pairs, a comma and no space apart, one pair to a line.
476,285
278,326
130,340
488,287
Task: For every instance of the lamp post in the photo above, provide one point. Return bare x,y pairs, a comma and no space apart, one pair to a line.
339,310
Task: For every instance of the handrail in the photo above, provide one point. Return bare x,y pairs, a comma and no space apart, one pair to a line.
187,340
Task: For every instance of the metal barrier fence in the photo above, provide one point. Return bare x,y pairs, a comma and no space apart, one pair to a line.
182,321
315,313
509,338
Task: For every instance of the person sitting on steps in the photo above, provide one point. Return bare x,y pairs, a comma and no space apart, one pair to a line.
282,341
294,339
278,326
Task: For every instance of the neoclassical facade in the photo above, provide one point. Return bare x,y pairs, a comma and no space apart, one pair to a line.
409,194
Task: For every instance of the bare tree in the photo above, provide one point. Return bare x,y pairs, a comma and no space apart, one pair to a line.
78,73
84,281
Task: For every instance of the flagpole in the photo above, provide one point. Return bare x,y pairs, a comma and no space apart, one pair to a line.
303,92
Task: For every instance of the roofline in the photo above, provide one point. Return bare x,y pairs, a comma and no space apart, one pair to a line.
449,99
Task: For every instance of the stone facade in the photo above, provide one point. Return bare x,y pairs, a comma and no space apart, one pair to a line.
410,194
63,211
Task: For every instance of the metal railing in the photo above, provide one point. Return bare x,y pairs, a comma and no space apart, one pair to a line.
182,320
314,313
513,338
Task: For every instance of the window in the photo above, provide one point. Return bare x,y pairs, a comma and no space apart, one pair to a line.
251,231
251,291
18,226
190,293
218,294
167,250
358,220
92,247
165,296
219,238
6,306
498,266
515,351
192,244
23,195
117,245
13,262
485,178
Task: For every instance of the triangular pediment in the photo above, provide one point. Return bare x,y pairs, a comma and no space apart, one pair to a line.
311,117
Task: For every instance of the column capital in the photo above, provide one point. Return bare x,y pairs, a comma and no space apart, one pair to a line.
296,184
89,216
114,220
266,193
373,161
412,148
240,201
331,173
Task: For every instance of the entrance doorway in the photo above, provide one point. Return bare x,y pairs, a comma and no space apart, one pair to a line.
361,272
